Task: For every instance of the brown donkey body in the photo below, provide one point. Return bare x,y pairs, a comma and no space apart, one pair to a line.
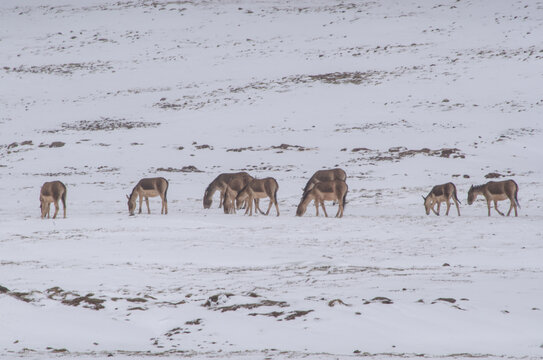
236,182
52,192
146,188
496,191
335,190
259,189
441,193
325,175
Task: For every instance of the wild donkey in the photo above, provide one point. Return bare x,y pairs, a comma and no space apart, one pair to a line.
146,188
496,191
51,192
335,190
236,181
439,194
259,189
325,175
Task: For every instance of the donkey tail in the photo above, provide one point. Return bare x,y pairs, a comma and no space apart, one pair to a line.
344,200
516,199
63,198
166,191
456,197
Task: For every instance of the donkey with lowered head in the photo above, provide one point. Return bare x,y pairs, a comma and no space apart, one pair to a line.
496,191
438,194
52,192
258,189
335,190
325,175
146,188
236,182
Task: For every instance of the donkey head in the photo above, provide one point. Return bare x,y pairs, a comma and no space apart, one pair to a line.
131,205
428,203
471,195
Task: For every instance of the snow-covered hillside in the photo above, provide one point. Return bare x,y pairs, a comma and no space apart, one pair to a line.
403,95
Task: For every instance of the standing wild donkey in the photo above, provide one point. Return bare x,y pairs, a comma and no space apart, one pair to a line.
259,189
236,181
496,191
146,188
325,175
439,194
51,192
335,190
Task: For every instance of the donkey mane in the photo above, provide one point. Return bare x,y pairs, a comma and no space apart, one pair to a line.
478,187
133,190
208,188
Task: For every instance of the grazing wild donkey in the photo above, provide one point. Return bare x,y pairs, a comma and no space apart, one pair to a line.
335,190
236,181
259,189
496,191
229,202
439,194
147,188
325,175
52,192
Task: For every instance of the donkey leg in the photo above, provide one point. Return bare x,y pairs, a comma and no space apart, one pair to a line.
147,203
56,209
457,207
141,202
448,208
323,208
488,206
316,206
269,206
257,206
276,205
438,207
496,207
221,199
510,208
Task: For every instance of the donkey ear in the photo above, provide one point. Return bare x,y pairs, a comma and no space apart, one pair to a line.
128,197
423,197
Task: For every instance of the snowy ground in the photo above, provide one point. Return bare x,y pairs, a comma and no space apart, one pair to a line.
402,95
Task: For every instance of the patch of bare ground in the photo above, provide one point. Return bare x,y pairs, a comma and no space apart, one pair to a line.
496,175
371,50
70,171
184,169
246,93
279,148
335,302
378,300
252,305
62,69
373,126
104,124
396,154
522,54
512,134
264,167
74,299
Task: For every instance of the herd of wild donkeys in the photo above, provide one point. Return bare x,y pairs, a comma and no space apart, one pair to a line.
241,190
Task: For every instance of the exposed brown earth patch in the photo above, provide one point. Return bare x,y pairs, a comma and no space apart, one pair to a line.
104,124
